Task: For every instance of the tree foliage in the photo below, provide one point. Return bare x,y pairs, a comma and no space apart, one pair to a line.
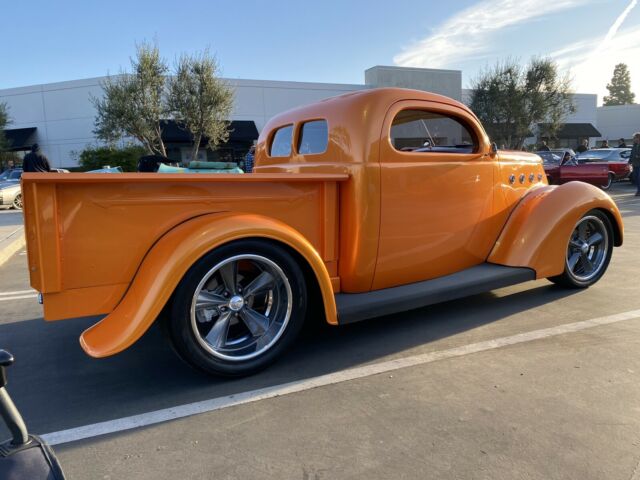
4,121
620,87
200,101
94,158
133,104
510,99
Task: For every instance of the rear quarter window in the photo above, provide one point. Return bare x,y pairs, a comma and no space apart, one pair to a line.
314,137
281,143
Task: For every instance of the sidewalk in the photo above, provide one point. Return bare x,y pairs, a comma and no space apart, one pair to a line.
11,233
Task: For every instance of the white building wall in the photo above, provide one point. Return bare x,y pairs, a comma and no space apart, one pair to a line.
619,121
64,114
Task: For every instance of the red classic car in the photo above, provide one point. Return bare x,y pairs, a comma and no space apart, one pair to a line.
561,171
616,158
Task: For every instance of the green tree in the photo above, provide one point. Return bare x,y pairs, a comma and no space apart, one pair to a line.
4,121
133,104
620,87
510,99
200,101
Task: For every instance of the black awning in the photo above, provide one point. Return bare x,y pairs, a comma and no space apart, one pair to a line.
572,130
19,138
241,131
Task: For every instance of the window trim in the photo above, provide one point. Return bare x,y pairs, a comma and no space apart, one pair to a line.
477,144
298,137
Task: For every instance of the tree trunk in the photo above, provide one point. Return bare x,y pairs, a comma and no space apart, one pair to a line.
196,147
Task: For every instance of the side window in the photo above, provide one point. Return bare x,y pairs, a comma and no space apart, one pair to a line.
625,154
424,131
15,175
281,143
314,137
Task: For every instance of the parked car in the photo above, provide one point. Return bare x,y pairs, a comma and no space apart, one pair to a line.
336,220
10,193
616,158
559,171
11,174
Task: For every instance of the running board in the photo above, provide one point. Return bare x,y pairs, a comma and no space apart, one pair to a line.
353,307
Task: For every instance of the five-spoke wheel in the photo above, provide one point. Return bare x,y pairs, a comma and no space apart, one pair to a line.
238,307
588,252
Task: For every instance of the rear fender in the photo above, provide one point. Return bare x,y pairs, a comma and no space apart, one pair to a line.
169,259
539,228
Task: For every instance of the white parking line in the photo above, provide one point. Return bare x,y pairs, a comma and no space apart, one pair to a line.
18,297
181,411
17,292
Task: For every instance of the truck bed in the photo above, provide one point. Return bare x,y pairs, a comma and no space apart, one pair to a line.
88,233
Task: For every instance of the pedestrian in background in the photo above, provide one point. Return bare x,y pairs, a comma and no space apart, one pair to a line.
543,147
605,144
583,147
249,158
635,162
622,143
35,161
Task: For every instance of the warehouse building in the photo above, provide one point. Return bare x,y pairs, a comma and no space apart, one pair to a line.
60,116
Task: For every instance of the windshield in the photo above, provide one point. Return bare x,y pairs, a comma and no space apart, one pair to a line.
601,154
549,158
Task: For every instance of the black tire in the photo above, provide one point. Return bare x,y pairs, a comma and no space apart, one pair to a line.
610,179
189,334
17,202
572,279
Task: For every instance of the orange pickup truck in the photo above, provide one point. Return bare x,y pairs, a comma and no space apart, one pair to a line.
361,205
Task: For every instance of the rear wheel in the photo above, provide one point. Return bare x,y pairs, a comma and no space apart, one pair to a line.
238,308
588,252
610,178
17,202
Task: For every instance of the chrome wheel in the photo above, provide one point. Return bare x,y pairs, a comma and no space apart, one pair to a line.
588,249
17,202
241,307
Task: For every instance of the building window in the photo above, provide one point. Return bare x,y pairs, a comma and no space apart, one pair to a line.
314,137
422,131
281,143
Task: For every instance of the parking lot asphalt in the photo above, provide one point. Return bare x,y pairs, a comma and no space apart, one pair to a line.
561,406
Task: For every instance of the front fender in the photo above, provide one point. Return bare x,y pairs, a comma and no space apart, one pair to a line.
169,259
539,228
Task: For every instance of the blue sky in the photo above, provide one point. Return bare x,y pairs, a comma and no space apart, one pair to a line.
324,41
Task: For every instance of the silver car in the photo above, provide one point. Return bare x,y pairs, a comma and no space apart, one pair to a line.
10,194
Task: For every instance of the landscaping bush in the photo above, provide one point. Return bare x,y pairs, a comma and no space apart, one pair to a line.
93,158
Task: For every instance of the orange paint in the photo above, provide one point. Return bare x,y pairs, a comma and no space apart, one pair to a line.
363,215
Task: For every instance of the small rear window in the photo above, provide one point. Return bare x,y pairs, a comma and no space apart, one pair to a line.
281,143
314,137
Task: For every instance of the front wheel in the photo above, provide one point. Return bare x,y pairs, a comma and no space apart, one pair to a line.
588,252
238,308
17,202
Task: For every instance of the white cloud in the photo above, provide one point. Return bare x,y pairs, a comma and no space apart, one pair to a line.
591,62
466,34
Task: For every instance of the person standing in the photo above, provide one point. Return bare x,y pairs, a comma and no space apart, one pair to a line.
622,143
249,158
35,161
543,147
605,144
634,159
583,147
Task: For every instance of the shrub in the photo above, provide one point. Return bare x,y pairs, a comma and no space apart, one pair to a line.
93,158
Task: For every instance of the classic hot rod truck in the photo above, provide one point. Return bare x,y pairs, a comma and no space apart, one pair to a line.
361,205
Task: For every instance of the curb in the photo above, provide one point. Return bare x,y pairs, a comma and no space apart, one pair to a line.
10,245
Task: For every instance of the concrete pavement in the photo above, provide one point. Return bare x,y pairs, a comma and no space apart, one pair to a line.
12,236
566,406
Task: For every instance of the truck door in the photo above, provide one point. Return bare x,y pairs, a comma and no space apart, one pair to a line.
437,185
